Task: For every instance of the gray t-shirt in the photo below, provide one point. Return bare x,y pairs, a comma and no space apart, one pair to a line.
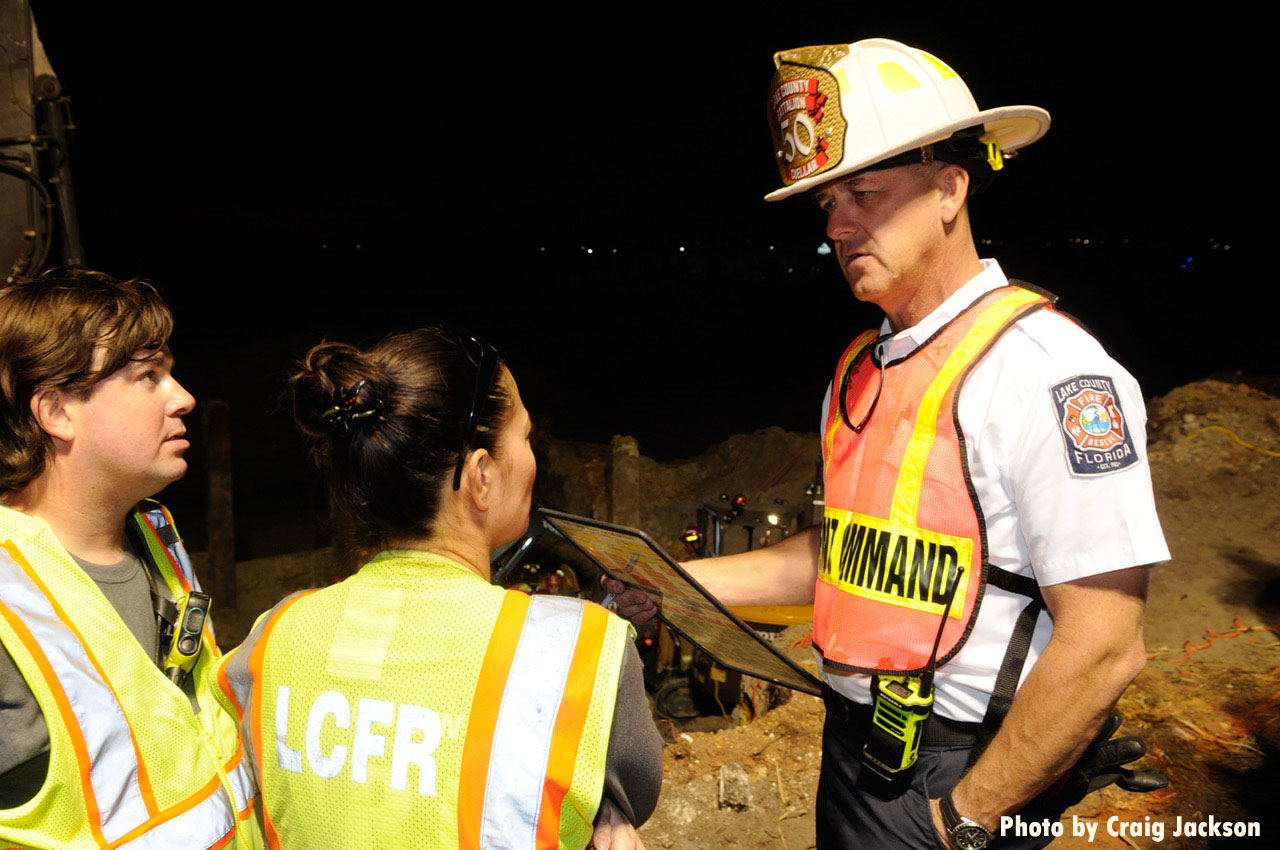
633,766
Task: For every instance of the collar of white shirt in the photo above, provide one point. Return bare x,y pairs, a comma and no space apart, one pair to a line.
904,342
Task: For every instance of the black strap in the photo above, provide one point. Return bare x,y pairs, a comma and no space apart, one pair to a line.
165,608
168,534
1014,583
1038,290
939,731
1015,655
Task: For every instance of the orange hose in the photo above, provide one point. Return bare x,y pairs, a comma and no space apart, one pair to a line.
1190,648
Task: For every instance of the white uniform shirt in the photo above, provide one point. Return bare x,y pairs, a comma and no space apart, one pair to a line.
1046,517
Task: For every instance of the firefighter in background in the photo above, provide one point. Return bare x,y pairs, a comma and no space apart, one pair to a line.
557,580
415,704
978,442
100,746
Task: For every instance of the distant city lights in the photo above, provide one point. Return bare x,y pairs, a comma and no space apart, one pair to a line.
826,248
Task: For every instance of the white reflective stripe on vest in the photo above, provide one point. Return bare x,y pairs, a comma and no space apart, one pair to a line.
522,737
240,778
199,827
113,762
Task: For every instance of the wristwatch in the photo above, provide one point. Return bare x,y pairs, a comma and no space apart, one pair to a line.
965,834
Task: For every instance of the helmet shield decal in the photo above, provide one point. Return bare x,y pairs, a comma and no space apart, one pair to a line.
837,109
804,112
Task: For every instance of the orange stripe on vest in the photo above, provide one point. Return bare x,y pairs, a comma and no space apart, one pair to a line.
255,667
477,748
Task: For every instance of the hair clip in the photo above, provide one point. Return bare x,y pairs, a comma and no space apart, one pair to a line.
344,411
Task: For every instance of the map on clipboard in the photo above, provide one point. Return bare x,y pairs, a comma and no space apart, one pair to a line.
630,556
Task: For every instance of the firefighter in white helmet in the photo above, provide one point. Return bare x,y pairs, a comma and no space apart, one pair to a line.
980,573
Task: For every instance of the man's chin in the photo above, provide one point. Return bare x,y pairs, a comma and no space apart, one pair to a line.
173,472
864,289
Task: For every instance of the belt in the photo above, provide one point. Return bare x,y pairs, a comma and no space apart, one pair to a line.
938,731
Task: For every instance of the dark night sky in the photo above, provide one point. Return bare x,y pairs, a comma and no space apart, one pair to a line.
291,171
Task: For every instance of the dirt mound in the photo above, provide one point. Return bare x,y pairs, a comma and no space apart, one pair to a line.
779,752
1215,465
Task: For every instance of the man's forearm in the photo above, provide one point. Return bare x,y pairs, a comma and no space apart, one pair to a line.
1055,715
782,574
1095,652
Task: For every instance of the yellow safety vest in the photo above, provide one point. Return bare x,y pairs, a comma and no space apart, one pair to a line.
417,705
131,765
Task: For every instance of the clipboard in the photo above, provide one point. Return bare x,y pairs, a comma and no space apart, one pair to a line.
633,558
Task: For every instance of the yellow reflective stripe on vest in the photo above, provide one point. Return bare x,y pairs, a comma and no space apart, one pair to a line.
906,495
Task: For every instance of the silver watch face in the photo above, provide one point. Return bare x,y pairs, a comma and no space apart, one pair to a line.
970,836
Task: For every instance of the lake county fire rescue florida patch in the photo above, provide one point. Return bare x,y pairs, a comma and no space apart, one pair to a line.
1098,440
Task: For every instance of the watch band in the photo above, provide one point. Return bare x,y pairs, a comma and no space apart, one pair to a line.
965,834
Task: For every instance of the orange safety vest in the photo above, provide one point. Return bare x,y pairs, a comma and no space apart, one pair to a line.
902,523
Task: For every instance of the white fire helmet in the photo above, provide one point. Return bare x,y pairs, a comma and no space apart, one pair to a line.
836,109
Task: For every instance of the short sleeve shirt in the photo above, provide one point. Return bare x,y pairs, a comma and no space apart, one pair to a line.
1055,436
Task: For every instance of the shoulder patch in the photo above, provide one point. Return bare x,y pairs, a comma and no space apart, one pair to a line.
1096,436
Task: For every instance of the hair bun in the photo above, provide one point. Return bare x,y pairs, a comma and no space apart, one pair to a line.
337,390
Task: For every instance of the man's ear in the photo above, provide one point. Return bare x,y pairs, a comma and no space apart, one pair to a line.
477,479
49,407
954,183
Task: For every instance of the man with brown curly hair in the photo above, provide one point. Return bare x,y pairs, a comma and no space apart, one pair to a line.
100,745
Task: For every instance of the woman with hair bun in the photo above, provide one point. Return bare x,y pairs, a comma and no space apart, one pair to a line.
415,704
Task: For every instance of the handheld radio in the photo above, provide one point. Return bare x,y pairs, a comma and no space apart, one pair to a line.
185,647
902,705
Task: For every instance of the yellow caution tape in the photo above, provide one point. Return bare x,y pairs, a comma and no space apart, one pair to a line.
1233,436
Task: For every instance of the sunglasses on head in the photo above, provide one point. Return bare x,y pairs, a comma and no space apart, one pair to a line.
485,358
